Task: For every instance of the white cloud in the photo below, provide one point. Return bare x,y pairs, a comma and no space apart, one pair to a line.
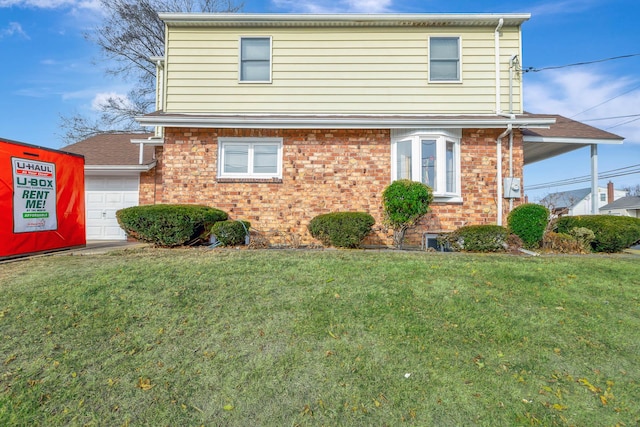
586,96
13,29
339,6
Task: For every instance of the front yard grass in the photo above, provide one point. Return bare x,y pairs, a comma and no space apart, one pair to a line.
191,337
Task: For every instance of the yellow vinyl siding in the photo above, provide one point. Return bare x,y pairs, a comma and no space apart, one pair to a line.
336,70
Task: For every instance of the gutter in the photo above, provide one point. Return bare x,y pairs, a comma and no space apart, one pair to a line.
120,168
342,19
293,121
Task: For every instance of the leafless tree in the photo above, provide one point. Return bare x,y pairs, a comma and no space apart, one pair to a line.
129,36
633,190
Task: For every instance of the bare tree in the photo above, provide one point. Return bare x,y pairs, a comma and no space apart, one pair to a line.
130,35
633,190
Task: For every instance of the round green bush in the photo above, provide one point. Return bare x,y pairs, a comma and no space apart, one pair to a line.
169,225
529,222
231,233
405,202
341,229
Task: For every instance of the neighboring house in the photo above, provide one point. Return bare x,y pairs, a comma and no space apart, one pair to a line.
625,206
279,118
578,202
112,171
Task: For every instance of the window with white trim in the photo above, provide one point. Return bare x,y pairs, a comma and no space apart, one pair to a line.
428,156
255,59
250,158
444,59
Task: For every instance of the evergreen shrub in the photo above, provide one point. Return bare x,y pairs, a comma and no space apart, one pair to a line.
341,229
477,238
611,233
169,225
231,233
529,222
405,202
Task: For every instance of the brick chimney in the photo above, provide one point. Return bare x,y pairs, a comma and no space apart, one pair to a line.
610,192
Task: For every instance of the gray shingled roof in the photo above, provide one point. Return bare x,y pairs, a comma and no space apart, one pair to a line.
112,149
565,199
629,202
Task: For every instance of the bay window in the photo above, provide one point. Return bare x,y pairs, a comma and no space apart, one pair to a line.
428,156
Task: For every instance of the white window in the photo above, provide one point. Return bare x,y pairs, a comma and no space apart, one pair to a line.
444,59
255,59
250,158
603,197
428,156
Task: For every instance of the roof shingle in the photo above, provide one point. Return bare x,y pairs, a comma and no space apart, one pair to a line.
113,149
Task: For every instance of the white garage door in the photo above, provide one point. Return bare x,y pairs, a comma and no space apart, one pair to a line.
104,196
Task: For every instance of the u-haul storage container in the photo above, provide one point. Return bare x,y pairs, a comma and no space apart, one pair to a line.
41,199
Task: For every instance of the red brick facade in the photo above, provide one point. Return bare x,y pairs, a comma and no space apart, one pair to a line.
323,171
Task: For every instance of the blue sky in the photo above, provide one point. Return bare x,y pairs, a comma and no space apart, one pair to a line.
50,70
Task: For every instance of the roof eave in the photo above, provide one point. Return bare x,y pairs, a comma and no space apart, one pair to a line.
344,122
580,141
350,19
120,168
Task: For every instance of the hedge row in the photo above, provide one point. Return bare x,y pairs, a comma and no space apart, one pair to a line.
169,225
611,233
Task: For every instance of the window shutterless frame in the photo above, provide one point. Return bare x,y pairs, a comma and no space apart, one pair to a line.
445,59
254,59
258,158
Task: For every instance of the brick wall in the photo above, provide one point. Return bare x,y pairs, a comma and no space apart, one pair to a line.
323,171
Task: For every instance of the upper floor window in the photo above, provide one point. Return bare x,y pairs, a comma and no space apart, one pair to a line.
444,59
428,156
250,158
255,59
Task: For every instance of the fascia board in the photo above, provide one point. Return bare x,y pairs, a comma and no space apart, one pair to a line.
582,141
120,168
337,122
235,19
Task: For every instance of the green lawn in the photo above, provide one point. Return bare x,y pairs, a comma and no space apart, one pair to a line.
191,337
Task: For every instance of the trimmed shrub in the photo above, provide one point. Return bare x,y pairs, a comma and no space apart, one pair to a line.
231,233
611,233
477,238
405,202
561,243
529,222
341,229
169,225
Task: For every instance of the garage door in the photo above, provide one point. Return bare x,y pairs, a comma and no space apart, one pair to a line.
104,196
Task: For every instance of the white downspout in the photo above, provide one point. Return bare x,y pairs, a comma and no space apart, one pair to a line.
499,170
497,47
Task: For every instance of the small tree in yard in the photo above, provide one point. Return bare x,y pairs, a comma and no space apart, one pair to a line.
405,202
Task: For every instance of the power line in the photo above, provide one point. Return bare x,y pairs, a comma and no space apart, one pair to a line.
623,123
556,67
610,118
604,102
613,173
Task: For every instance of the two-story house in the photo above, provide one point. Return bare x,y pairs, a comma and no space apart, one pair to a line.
278,118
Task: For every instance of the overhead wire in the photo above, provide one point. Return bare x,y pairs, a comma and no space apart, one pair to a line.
613,173
575,64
